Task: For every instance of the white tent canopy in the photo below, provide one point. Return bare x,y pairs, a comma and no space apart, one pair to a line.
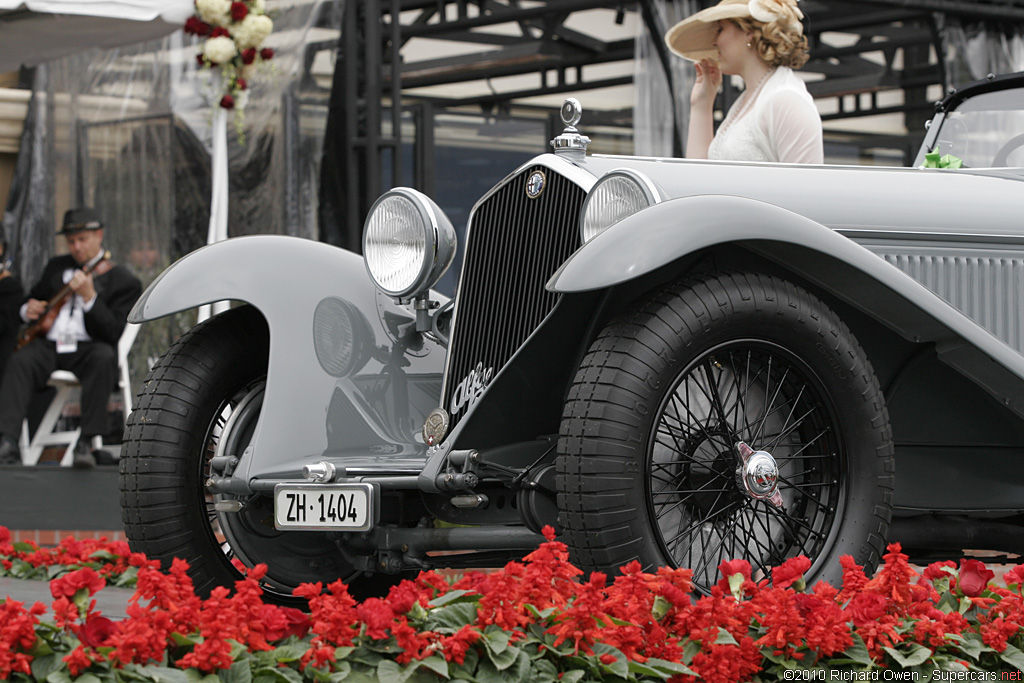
33,31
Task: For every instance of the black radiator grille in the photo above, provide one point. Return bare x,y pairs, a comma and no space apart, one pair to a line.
514,245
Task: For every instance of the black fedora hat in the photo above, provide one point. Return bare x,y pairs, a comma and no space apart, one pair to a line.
83,218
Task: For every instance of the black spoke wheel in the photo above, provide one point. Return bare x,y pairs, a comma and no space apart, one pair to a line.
732,416
202,400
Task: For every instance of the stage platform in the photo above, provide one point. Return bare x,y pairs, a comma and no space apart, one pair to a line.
46,502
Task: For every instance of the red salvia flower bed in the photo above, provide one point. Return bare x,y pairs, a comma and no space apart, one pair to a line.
535,620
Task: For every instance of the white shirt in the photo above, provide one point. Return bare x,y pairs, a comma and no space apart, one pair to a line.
777,121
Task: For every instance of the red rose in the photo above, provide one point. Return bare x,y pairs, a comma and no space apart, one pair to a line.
98,631
281,622
242,85
228,102
249,55
197,27
5,535
266,54
790,571
974,577
239,11
220,32
200,59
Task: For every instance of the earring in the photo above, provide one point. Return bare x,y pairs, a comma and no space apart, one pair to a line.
748,44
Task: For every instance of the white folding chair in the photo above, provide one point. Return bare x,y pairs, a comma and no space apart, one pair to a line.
65,382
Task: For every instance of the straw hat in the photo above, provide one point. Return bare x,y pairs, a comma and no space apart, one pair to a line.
694,37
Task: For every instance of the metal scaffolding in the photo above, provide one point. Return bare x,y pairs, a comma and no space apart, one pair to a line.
868,57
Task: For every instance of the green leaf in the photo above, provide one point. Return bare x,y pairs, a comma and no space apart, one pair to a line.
660,608
671,667
965,604
240,672
691,648
1013,656
88,678
543,670
291,652
128,578
23,547
724,637
284,675
180,639
496,638
451,617
858,652
638,669
504,659
163,674
44,666
102,554
916,654
437,664
61,676
620,667
573,676
390,672
451,596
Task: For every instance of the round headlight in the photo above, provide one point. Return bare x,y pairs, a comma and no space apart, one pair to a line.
617,195
341,337
408,243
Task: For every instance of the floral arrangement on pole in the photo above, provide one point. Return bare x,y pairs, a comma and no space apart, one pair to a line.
234,32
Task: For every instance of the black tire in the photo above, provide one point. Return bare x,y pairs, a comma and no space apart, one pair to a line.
206,389
647,464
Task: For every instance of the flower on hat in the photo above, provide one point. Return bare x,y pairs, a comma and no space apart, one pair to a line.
784,11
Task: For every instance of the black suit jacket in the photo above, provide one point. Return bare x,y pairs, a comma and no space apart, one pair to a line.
11,298
116,293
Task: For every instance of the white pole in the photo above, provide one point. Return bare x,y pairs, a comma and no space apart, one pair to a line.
218,229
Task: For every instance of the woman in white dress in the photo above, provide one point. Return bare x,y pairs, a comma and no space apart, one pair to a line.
761,41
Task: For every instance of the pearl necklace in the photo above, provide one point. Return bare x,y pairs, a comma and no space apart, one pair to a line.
745,101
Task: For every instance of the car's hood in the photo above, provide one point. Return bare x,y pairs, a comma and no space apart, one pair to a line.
971,202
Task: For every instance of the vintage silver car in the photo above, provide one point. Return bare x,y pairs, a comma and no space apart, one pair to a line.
671,361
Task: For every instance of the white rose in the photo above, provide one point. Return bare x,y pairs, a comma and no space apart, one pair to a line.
253,30
215,12
219,50
259,6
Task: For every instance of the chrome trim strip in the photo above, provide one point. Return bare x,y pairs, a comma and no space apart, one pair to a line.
917,236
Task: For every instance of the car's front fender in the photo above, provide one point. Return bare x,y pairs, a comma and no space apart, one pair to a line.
668,232
308,412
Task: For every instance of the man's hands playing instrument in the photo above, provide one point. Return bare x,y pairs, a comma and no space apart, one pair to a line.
80,283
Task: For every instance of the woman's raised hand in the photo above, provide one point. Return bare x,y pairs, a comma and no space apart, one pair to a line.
705,88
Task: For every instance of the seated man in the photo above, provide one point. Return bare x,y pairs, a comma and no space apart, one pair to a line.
82,337
11,296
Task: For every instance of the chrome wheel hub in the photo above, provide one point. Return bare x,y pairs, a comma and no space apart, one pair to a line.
758,474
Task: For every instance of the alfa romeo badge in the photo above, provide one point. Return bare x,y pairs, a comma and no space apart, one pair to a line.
535,184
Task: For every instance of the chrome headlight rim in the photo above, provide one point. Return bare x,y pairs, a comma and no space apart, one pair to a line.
647,188
439,243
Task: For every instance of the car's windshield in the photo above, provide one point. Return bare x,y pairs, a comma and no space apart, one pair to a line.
986,130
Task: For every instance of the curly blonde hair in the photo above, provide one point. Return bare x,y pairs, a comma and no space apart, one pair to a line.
777,43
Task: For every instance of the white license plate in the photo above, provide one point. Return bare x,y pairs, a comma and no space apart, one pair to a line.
346,507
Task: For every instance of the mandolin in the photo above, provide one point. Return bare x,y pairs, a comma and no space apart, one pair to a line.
45,321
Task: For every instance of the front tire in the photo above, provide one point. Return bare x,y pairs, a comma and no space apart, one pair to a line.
206,393
650,465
